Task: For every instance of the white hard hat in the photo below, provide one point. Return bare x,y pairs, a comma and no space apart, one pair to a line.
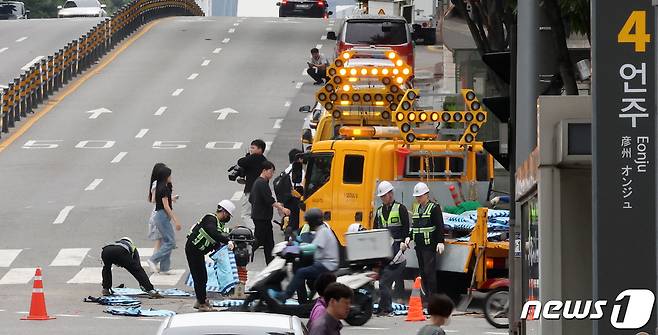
383,188
227,205
420,189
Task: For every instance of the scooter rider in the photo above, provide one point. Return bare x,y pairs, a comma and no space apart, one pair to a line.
326,256
427,233
393,216
205,237
124,253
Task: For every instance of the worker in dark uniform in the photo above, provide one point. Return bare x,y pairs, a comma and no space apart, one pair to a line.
124,253
393,216
205,237
427,233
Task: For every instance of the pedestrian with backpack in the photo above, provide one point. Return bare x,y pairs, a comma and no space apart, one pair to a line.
288,189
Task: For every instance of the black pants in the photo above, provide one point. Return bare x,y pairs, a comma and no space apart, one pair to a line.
197,263
390,274
119,256
427,264
293,206
317,74
265,238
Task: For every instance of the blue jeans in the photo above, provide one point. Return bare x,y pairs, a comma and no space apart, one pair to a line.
166,229
311,272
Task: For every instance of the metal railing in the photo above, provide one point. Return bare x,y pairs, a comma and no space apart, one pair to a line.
27,91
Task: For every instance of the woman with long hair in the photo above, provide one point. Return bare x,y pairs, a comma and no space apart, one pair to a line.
153,233
165,220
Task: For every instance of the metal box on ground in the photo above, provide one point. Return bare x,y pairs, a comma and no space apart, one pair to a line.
368,244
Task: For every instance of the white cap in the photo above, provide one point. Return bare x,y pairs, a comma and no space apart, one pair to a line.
227,205
420,189
383,188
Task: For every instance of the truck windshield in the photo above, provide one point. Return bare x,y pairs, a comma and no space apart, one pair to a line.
9,9
376,32
318,171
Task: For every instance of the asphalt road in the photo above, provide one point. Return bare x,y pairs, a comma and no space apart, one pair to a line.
76,181
21,41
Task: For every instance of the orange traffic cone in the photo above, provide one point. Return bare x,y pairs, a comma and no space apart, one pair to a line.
415,312
38,304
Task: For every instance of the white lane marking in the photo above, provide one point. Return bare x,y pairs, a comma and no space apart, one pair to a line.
21,39
106,144
268,146
226,40
145,252
169,280
151,319
109,317
3,50
323,37
224,112
23,312
96,112
87,276
237,196
177,92
373,328
3,310
454,331
18,276
193,76
63,214
231,31
141,133
68,315
287,104
230,146
496,333
299,85
160,111
236,24
277,123
205,62
94,184
304,72
7,256
216,51
119,157
328,29
32,62
70,257
319,46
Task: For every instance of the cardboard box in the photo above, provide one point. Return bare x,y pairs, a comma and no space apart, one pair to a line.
369,244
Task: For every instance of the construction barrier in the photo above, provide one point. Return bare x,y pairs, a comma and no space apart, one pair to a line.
26,92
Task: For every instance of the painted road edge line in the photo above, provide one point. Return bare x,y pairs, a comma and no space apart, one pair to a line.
160,111
141,133
63,214
177,92
119,157
193,76
94,184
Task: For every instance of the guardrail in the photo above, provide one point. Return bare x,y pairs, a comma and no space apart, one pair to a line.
42,79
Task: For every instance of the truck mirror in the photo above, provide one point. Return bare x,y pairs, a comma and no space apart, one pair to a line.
331,35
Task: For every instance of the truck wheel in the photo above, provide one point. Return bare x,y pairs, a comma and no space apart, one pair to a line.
496,308
361,310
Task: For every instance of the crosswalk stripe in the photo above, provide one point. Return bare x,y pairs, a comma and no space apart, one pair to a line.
70,257
171,280
7,256
87,276
18,276
145,252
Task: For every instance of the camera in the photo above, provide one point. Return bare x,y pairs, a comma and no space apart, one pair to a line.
236,173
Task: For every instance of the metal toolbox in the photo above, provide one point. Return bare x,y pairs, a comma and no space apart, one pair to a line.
368,244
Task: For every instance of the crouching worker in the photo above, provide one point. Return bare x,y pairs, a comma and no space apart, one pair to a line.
124,253
205,237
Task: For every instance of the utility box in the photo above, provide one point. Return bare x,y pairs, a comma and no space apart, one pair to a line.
369,244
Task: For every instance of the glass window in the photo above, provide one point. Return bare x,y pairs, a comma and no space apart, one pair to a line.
70,4
318,172
353,169
9,9
376,32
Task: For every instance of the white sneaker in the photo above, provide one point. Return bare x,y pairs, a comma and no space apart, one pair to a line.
152,266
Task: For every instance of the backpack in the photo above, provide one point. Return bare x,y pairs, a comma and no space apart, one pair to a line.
282,187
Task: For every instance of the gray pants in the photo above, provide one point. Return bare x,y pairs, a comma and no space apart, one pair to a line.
246,212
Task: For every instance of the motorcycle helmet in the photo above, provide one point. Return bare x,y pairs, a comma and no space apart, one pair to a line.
314,217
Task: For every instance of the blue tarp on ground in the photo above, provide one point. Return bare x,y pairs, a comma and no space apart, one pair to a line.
138,311
222,272
171,292
114,300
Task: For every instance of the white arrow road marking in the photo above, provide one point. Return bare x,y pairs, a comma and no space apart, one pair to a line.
299,85
21,39
7,256
119,157
224,112
287,104
193,76
226,40
319,46
205,62
277,123
27,66
87,276
18,276
94,184
160,111
177,92
70,257
3,50
141,133
216,51
237,196
231,31
96,112
63,214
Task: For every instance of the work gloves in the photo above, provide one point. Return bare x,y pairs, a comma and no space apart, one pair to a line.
440,247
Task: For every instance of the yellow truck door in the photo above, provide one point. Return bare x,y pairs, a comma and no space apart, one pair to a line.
318,188
350,191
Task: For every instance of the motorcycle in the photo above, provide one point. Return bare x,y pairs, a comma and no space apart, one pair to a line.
359,277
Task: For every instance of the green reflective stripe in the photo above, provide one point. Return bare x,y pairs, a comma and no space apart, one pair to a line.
203,237
426,213
426,231
393,216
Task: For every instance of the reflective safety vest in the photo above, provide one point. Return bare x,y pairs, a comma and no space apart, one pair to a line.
422,223
203,240
126,245
393,216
